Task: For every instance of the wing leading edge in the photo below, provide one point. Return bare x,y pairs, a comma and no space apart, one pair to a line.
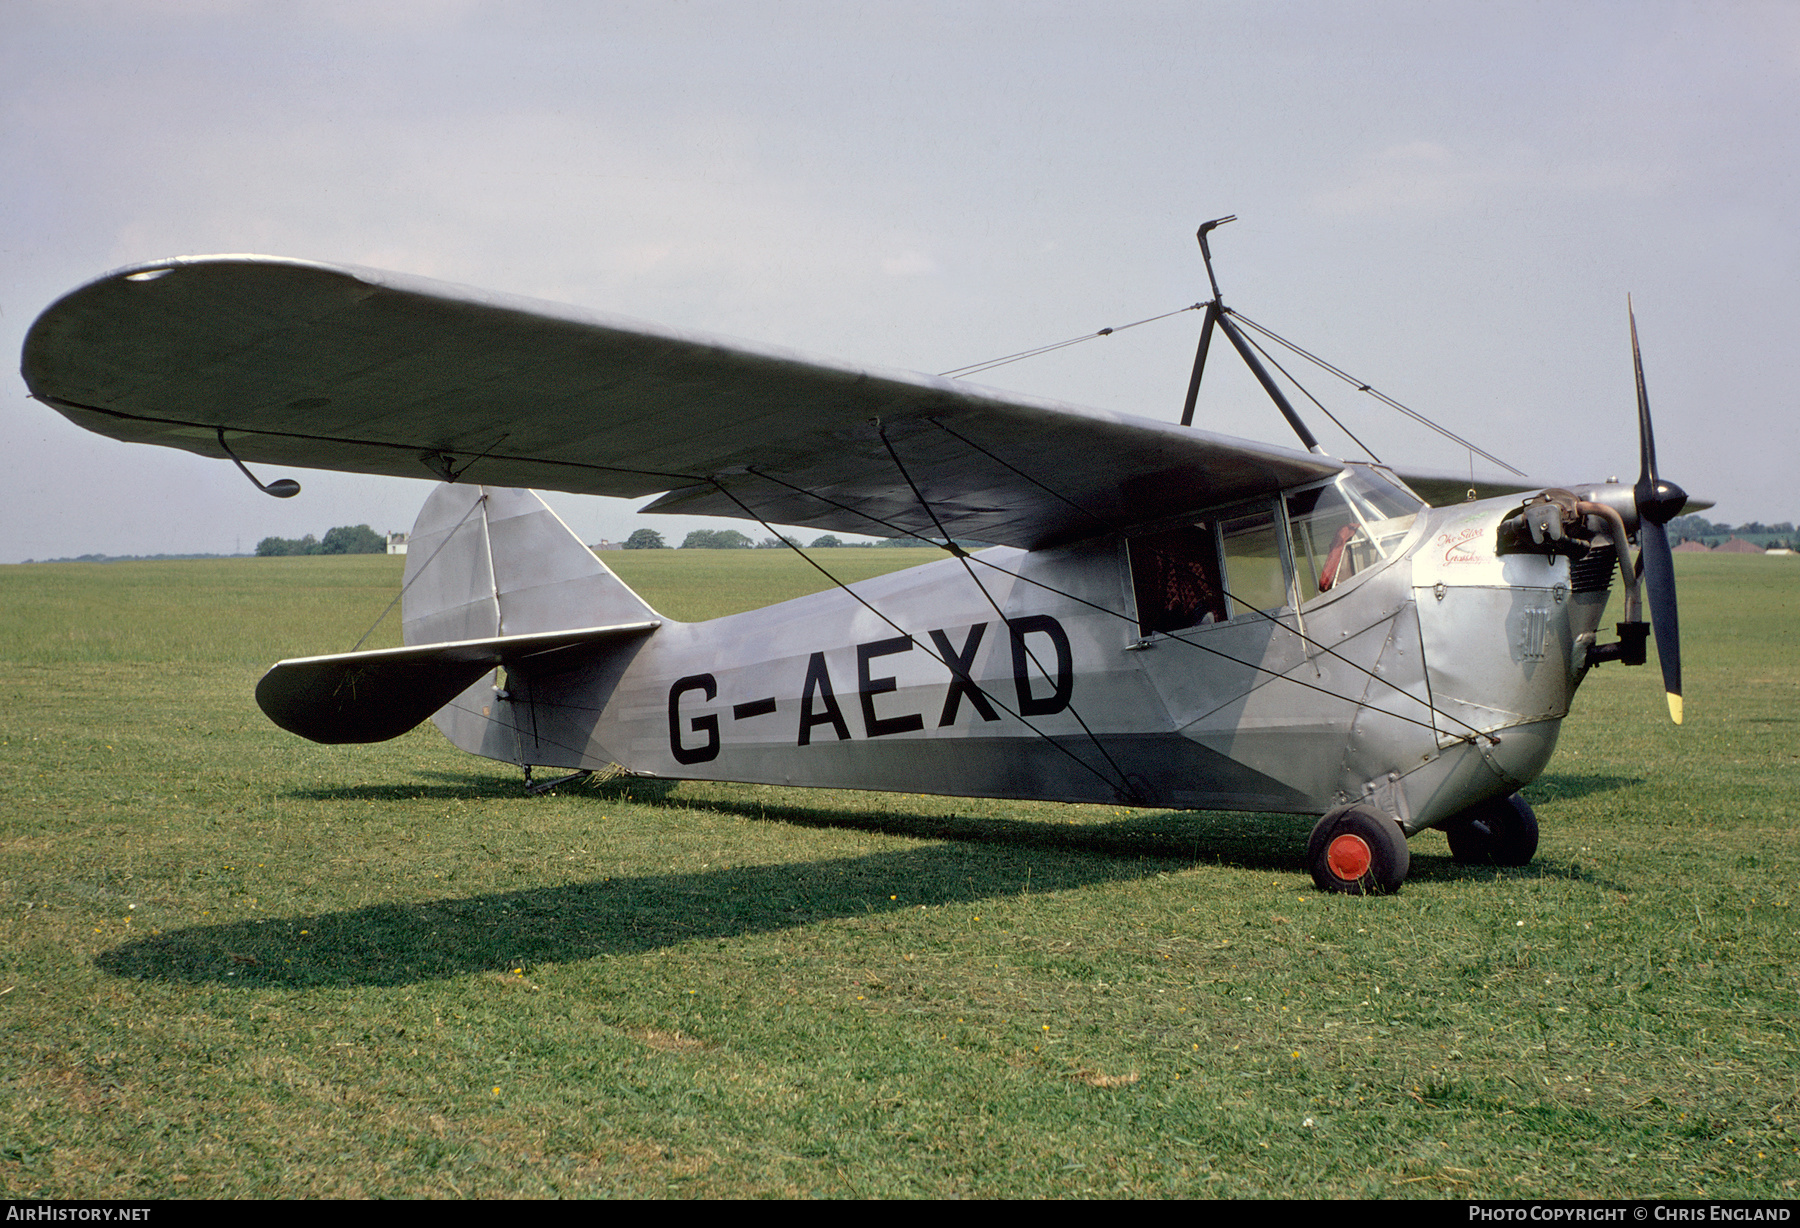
344,368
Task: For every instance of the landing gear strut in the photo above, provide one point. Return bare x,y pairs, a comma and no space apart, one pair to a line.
1358,850
544,786
1499,832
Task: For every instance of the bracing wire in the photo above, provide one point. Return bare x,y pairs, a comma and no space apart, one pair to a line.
977,367
1362,386
1270,358
963,557
1247,322
1123,785
1325,649
482,499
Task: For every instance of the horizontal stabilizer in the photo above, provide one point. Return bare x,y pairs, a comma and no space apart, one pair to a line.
373,696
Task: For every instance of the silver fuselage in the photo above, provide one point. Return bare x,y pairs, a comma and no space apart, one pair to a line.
1440,675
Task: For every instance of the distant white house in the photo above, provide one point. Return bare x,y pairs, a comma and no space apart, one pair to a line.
396,543
603,544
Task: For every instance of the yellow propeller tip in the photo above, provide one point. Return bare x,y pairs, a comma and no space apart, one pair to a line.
1674,708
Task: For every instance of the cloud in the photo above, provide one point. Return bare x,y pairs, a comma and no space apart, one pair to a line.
909,264
1426,177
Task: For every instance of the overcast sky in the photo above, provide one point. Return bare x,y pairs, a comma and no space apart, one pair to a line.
1449,200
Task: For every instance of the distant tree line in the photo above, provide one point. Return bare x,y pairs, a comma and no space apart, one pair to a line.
715,539
1700,529
345,539
731,539
134,558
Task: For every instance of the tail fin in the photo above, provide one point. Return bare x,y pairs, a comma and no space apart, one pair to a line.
494,580
484,561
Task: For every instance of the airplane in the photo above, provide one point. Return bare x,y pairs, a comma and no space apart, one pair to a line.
1164,617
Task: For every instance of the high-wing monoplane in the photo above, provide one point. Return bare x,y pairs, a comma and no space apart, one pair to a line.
1165,617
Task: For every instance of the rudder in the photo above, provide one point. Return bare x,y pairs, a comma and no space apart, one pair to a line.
487,561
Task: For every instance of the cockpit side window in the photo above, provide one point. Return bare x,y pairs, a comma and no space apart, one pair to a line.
1255,571
1345,527
1175,577
1328,541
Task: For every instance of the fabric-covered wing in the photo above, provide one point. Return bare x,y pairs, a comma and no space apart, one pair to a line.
352,369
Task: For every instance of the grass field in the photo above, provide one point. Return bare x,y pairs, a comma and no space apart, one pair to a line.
234,963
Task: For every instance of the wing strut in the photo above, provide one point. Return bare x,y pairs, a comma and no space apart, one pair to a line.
1269,385
1216,315
1206,331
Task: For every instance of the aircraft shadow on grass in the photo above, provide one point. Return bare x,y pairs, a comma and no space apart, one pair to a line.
1568,786
971,860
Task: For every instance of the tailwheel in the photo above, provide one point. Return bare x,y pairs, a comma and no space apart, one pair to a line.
1502,831
1358,850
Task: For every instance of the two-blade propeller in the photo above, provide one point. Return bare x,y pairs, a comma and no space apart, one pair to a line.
1658,502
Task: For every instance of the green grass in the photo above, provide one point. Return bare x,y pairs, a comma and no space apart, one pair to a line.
234,963
694,585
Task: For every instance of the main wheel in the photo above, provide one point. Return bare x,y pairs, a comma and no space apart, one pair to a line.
1502,831
1358,850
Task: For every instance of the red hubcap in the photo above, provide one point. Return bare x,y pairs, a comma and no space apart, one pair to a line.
1349,857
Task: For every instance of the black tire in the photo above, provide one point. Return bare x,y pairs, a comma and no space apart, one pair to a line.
1502,831
1358,850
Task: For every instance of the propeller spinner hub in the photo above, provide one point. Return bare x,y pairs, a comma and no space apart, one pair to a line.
1658,500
